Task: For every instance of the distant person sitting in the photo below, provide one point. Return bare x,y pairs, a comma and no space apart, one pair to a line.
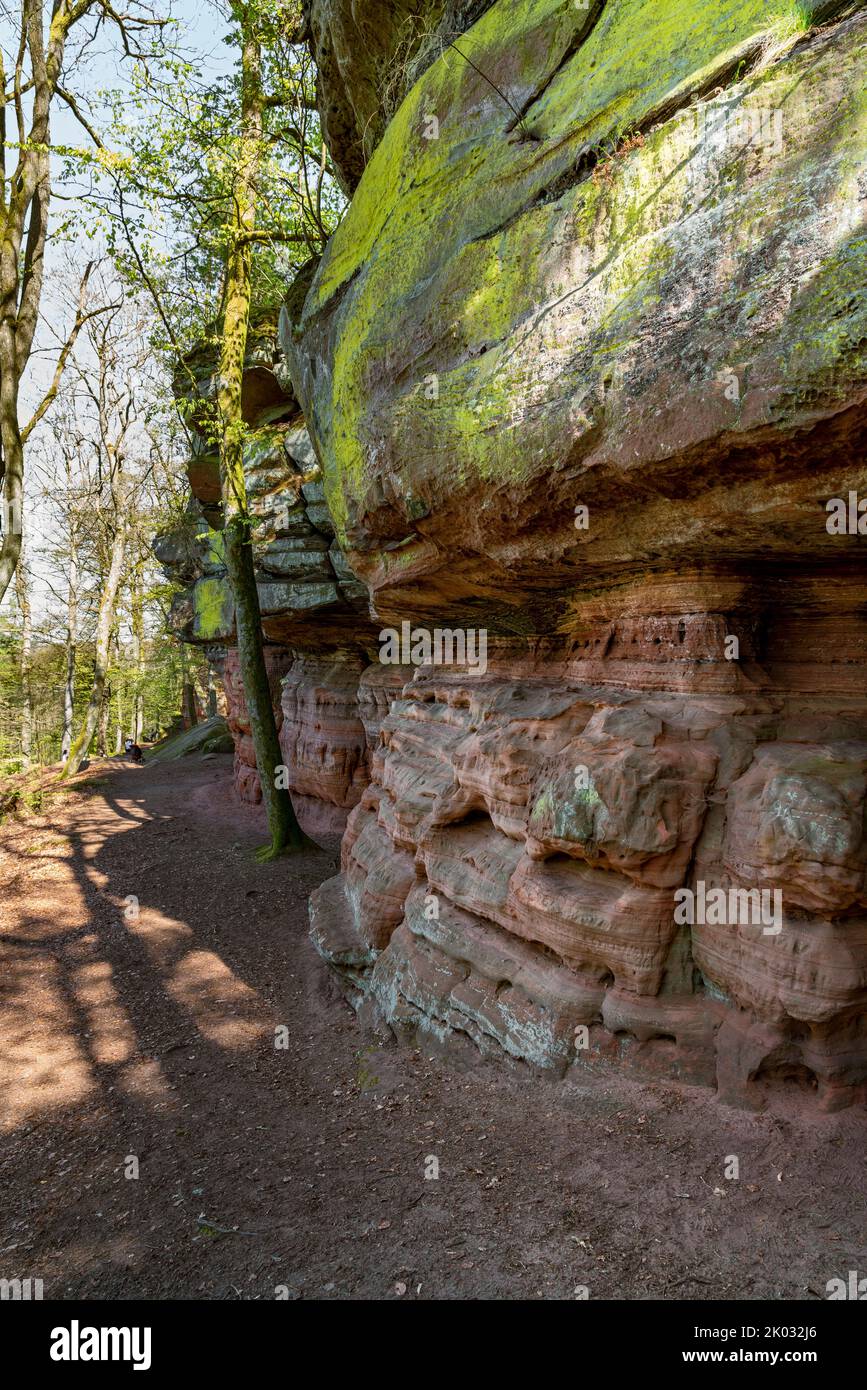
132,750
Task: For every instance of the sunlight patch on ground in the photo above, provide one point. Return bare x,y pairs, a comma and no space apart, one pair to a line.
111,1038
225,1010
142,1079
42,1064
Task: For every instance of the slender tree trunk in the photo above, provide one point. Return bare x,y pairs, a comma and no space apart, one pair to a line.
285,831
23,229
104,628
25,667
104,713
188,692
189,704
138,673
13,479
24,208
212,695
11,443
71,645
118,718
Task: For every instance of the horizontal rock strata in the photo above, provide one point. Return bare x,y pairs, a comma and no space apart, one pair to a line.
511,874
585,369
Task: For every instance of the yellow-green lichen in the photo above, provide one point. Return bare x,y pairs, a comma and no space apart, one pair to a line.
213,610
455,256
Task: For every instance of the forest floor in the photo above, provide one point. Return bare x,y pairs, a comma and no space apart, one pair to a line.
145,964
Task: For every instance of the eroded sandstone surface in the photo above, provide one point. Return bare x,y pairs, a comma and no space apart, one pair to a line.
584,370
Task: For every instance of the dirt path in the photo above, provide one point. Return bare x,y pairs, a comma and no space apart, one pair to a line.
150,1035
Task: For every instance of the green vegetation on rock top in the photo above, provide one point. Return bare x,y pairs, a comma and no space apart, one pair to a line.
465,254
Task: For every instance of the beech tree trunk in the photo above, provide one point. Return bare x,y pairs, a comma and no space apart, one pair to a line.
104,629
189,704
25,667
138,673
286,833
24,208
71,644
104,714
118,721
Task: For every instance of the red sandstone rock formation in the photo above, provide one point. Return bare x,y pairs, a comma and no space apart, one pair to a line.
479,810
596,397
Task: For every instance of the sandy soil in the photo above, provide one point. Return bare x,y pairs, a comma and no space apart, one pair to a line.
146,1030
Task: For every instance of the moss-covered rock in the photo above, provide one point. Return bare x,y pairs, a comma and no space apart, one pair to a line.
213,610
367,56
211,736
583,365
522,314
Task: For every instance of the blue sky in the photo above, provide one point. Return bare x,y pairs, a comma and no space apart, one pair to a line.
201,27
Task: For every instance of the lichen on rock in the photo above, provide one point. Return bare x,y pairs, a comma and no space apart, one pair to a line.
583,365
